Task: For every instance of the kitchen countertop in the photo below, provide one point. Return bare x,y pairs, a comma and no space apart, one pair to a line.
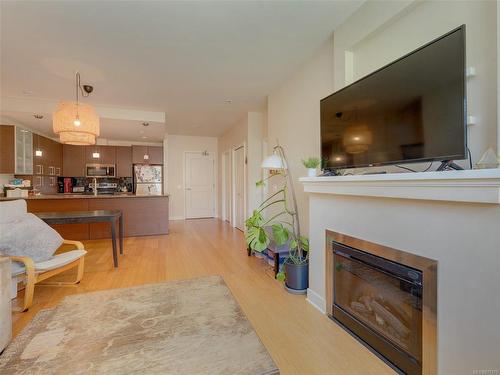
82,196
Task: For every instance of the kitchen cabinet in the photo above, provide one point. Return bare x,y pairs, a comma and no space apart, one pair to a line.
155,154
23,151
123,161
7,149
107,154
49,163
73,161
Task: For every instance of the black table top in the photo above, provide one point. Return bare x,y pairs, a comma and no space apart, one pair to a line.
103,214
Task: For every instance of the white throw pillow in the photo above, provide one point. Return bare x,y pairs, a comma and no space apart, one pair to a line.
12,210
29,236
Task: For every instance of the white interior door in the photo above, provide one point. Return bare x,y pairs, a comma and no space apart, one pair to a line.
239,188
226,186
199,184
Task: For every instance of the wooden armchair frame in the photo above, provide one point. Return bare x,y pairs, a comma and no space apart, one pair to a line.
32,277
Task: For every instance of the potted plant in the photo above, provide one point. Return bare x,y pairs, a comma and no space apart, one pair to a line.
311,164
283,228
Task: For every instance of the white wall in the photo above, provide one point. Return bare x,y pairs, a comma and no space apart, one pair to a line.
254,159
462,237
176,146
377,33
250,132
498,77
380,32
294,117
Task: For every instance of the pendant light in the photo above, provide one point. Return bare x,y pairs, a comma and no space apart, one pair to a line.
76,123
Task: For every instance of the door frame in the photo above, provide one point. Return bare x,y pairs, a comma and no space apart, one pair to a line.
214,176
233,183
226,195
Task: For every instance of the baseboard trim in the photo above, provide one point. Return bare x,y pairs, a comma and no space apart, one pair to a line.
316,300
177,218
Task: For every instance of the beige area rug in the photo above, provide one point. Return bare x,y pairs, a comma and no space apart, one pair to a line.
181,327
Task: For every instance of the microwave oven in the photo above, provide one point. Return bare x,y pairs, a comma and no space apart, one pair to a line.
100,170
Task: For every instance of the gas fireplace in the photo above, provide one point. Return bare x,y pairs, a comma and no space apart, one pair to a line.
380,296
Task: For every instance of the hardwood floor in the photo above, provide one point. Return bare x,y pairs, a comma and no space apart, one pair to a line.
300,339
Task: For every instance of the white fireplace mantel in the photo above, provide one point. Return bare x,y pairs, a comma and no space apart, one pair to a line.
475,186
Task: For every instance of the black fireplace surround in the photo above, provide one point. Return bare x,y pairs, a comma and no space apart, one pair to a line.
379,301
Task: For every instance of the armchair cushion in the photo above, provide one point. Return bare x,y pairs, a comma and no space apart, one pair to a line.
57,261
28,236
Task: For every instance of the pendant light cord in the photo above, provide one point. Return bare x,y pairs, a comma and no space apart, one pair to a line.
78,87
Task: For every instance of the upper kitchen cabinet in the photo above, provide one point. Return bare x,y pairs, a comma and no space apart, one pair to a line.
147,154
73,161
155,154
7,149
47,156
100,154
123,161
23,152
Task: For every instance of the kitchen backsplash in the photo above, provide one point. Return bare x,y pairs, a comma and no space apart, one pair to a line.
122,182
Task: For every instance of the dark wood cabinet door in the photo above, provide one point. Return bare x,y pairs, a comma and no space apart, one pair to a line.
73,161
138,153
107,154
57,157
50,162
7,151
123,161
89,154
155,154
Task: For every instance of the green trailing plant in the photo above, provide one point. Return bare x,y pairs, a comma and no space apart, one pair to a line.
311,163
280,227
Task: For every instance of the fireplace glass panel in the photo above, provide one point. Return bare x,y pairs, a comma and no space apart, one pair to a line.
386,302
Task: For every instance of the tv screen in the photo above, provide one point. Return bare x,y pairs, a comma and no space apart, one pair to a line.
411,110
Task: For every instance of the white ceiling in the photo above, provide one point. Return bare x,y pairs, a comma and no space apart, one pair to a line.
182,58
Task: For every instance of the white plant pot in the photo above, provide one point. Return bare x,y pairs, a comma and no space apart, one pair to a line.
311,172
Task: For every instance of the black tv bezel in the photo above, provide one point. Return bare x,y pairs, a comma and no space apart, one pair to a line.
462,156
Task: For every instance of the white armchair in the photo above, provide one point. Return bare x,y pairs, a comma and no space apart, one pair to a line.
32,254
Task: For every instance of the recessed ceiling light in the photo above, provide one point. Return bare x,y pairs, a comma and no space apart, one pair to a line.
27,92
144,137
228,101
37,116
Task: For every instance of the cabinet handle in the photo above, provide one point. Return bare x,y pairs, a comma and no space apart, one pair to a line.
58,171
38,169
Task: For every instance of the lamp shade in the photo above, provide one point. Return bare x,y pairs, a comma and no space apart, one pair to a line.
83,132
77,139
273,162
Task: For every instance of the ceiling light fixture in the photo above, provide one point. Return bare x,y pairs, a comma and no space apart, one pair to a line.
37,116
228,101
145,124
76,123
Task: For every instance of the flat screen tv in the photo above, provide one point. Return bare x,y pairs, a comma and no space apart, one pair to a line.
411,110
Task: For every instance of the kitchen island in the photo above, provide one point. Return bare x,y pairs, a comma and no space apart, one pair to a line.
143,215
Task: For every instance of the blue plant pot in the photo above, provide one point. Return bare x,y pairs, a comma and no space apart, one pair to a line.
297,276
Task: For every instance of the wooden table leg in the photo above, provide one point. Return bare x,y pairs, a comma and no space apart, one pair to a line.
121,233
113,239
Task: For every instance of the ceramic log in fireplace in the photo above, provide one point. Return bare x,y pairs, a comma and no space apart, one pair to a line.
386,298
